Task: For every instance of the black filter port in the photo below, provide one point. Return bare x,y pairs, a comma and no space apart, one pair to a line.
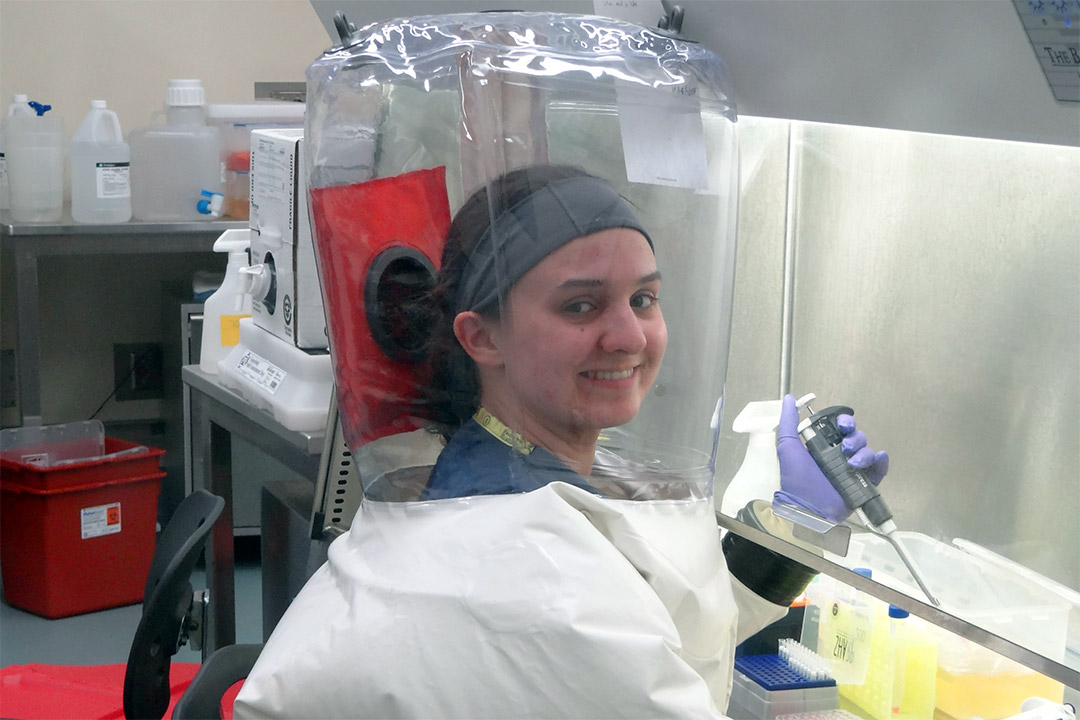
394,293
269,301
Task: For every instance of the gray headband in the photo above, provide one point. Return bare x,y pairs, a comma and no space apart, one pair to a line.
528,232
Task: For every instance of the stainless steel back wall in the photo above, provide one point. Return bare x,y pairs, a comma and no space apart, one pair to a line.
937,291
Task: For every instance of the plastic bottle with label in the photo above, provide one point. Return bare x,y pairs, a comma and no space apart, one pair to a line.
222,310
177,173
20,105
100,169
898,642
759,475
34,150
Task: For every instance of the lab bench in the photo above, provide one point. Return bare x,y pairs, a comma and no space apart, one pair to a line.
1064,671
217,414
30,242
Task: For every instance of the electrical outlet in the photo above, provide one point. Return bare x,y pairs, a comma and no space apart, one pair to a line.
7,379
138,371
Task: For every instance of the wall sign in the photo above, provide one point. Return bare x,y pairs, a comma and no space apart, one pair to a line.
1053,26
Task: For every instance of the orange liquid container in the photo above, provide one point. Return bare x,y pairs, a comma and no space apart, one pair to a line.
992,696
236,123
238,185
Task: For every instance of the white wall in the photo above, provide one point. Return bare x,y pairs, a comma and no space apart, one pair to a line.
68,52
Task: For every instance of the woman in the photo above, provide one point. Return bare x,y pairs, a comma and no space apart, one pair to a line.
526,584
564,341
547,330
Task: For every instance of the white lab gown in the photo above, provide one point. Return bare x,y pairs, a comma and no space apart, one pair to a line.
554,603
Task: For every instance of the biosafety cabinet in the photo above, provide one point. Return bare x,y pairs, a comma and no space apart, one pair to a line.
893,253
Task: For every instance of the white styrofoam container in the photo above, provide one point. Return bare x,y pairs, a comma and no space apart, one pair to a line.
972,589
292,385
237,121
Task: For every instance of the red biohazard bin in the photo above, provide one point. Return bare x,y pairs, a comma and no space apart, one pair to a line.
79,537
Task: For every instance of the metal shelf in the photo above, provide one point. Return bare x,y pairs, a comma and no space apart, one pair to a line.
958,626
67,226
28,242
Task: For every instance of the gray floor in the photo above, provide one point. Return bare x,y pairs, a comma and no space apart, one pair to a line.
105,637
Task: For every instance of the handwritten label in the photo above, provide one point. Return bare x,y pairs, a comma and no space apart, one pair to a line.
639,12
663,137
844,638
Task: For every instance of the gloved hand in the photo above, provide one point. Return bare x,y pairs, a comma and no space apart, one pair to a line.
801,481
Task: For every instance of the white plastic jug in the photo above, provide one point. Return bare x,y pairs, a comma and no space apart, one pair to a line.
100,169
34,149
19,106
174,164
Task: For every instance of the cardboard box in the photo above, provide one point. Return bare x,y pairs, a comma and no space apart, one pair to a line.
281,240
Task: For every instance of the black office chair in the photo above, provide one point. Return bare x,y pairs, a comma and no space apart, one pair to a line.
167,621
223,669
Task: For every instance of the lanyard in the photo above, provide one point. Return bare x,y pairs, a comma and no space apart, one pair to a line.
505,435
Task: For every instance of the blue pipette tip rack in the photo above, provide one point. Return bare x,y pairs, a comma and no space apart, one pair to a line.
772,672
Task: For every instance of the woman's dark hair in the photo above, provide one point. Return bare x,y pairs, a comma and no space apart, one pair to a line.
452,395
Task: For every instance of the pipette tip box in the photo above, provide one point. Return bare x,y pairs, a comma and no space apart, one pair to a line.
766,686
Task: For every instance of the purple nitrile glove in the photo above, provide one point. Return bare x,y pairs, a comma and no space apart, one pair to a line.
801,481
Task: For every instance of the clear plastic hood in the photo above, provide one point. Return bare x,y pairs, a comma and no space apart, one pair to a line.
566,161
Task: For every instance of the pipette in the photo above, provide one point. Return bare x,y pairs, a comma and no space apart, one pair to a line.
823,438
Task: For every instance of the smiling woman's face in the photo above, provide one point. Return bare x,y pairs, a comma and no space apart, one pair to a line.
584,336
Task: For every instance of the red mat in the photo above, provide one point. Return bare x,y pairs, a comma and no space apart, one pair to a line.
80,692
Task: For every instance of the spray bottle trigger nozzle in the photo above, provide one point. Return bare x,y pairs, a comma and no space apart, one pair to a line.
233,241
758,417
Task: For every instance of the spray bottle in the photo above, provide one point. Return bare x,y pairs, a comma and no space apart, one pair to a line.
759,475
223,310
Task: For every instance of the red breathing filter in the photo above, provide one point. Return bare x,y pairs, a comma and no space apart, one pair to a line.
378,243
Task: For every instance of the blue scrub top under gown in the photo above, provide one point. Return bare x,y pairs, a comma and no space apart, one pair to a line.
475,462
